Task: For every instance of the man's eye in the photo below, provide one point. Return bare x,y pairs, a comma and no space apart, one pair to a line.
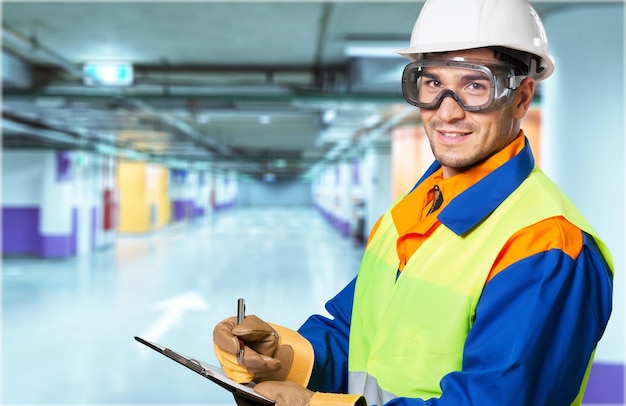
432,83
476,86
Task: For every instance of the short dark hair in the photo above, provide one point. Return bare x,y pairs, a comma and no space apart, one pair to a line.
518,59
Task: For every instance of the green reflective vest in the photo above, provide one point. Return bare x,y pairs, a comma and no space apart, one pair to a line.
410,332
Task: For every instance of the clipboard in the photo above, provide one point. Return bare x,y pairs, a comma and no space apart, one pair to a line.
211,372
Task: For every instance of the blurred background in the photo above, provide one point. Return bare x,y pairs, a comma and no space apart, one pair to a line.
162,159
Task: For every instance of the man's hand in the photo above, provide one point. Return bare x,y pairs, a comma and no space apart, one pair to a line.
259,342
285,393
270,352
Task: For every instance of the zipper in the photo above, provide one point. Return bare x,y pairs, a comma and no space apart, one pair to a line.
437,199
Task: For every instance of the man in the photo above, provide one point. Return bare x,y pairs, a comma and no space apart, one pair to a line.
484,285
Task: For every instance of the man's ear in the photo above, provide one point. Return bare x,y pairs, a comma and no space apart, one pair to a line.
523,97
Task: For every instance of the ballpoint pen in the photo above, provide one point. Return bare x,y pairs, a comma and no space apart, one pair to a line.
241,314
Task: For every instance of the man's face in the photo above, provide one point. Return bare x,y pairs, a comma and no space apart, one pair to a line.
461,139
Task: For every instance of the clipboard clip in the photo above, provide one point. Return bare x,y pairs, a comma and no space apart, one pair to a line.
199,368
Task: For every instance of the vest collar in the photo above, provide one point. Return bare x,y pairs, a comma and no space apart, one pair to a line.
473,205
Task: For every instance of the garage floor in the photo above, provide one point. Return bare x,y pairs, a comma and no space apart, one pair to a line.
68,325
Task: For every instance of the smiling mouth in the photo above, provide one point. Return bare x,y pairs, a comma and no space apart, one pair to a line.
453,134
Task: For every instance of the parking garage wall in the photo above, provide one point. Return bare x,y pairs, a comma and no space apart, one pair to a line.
53,202
255,193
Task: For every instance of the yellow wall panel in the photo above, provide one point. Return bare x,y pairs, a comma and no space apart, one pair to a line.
144,201
158,195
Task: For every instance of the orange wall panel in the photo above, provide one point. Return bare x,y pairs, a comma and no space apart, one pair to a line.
410,157
531,124
411,154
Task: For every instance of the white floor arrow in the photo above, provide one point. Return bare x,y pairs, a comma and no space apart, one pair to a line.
174,309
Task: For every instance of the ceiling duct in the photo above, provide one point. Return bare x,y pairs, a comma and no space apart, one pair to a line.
16,128
15,73
31,44
376,75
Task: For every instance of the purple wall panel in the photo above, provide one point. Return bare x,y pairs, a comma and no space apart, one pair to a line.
20,235
178,175
190,209
182,209
198,211
226,205
55,246
606,384
94,226
178,210
186,209
59,246
342,225
64,166
20,230
356,172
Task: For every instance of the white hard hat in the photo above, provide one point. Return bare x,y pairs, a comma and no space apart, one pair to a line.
453,25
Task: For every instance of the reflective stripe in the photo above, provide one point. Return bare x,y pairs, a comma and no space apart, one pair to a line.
367,385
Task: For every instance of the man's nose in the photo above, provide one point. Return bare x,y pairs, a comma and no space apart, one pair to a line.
450,110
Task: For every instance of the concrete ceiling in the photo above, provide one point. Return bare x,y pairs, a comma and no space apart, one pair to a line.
256,87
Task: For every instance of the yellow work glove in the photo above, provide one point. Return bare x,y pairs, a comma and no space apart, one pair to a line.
337,399
270,352
293,394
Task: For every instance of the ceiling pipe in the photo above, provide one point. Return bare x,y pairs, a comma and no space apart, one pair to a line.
355,147
387,125
13,127
32,43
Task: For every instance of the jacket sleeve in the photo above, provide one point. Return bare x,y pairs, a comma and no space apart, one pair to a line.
329,338
537,325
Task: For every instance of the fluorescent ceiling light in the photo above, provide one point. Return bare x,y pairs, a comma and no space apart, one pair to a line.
108,73
329,116
374,49
372,120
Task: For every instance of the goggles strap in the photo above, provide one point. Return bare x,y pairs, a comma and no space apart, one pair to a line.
515,81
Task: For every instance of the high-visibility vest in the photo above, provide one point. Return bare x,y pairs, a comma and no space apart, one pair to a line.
406,334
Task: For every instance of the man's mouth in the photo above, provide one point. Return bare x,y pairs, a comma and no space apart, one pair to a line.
452,134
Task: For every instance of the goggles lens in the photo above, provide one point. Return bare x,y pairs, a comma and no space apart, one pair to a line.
474,86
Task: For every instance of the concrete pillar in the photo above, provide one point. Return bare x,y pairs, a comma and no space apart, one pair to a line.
583,151
344,203
376,182
58,221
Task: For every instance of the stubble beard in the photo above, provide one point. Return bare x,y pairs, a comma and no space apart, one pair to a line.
460,159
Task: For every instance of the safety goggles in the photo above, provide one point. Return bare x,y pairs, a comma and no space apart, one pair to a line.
474,86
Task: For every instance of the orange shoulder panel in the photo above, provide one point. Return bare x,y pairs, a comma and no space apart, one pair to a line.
380,219
552,233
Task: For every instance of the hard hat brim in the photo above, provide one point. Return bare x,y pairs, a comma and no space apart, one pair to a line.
546,64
